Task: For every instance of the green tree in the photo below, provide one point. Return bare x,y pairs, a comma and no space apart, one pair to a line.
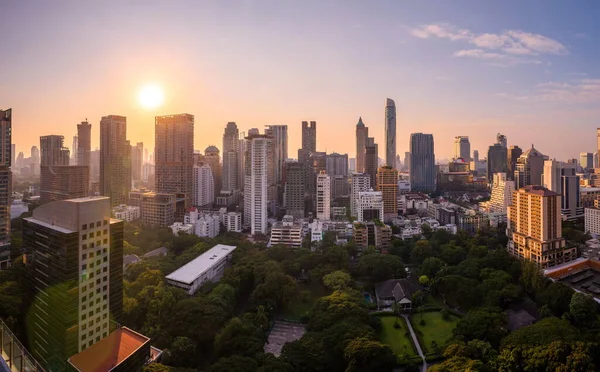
482,324
424,280
421,251
541,333
583,309
235,363
337,280
182,352
364,354
381,266
431,266
557,296
238,338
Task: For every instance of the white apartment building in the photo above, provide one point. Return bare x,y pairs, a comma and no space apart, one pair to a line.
207,226
369,206
323,196
502,193
359,182
592,220
287,232
203,190
233,221
316,231
255,183
179,227
126,212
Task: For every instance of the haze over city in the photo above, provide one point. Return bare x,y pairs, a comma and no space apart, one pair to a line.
453,68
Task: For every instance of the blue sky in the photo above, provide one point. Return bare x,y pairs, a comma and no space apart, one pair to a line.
527,69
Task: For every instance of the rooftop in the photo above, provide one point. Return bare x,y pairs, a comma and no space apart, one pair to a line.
538,190
196,267
109,352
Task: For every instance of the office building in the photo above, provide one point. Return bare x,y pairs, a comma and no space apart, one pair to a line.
562,178
76,282
84,143
422,162
309,141
231,148
496,160
371,160
137,155
173,155
501,140
375,234
156,209
529,168
359,182
62,182
501,195
213,159
294,189
390,132
323,196
115,159
287,232
279,136
387,184
586,160
362,133
208,267
475,156
513,153
369,206
336,164
203,190
73,158
535,227
53,151
462,148
255,183
5,185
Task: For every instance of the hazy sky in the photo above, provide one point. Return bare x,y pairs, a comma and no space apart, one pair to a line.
527,69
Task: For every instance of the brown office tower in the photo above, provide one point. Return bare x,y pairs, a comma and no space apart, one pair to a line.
53,151
84,143
535,227
5,185
173,155
115,159
387,183
62,182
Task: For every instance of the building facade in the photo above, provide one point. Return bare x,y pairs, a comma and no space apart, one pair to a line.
336,164
373,234
84,143
287,232
5,185
369,206
390,132
496,160
371,160
501,195
323,196
513,153
462,148
387,184
422,162
137,160
255,183
63,182
115,159
203,190
362,133
294,189
359,182
529,168
562,178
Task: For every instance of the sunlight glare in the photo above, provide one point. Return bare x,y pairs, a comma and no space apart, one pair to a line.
151,96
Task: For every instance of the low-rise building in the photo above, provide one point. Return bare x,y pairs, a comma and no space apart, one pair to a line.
369,206
233,221
316,231
180,227
156,209
411,232
126,212
375,234
287,232
208,267
471,221
207,226
588,196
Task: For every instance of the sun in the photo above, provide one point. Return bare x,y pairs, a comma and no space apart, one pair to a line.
151,96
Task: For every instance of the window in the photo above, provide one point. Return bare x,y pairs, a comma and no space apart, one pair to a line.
91,254
84,226
105,241
105,288
104,250
105,232
83,317
104,269
98,224
104,307
83,327
104,334
104,279
98,329
98,262
83,336
91,245
105,259
84,256
84,266
84,237
105,222
84,246
83,307
91,313
83,298
97,243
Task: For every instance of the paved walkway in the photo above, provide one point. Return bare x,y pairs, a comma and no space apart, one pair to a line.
416,341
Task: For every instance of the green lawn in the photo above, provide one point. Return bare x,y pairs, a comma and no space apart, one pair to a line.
435,328
395,338
303,302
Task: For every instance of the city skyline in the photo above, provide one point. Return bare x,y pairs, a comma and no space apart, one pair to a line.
517,75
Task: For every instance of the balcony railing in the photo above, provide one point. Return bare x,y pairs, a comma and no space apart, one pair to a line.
14,355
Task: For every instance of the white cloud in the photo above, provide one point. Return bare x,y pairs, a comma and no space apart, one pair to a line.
580,92
495,59
442,30
538,43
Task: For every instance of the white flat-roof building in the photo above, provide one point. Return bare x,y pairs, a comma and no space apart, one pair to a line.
209,266
186,228
233,221
126,212
287,232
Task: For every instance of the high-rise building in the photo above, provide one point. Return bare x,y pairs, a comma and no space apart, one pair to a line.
362,133
5,184
529,168
156,209
535,227
204,187
369,206
212,158
255,183
475,156
422,162
309,140
95,165
562,178
407,161
502,192
76,281
336,164
62,182
586,160
371,159
13,147
137,154
462,148
115,159
359,182
84,143
501,140
513,153
323,196
294,189
496,160
231,147
279,136
53,151
74,151
35,159
597,147
390,132
373,234
387,183
173,155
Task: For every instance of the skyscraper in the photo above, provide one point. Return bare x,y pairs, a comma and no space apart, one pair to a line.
390,132
362,133
501,140
586,160
255,183
5,184
62,182
496,160
387,183
115,159
204,187
137,154
598,145
173,154
475,156
212,158
53,150
359,182
76,287
294,189
502,193
562,178
535,227
35,159
231,148
462,148
74,151
84,143
279,137
514,152
309,140
371,160
529,169
336,164
422,162
323,196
